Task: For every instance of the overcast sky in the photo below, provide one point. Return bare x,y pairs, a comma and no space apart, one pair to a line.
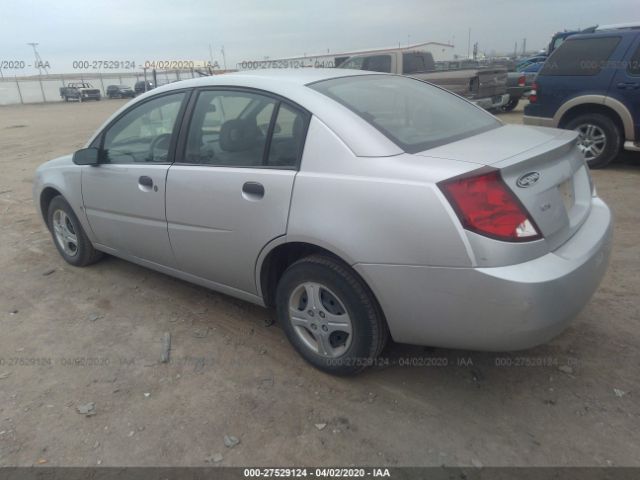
141,30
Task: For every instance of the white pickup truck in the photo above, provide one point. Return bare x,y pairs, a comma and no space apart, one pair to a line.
484,86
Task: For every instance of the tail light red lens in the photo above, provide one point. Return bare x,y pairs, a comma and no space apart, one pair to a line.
533,95
522,80
485,205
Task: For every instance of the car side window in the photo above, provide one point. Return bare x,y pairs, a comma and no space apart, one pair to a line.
288,137
580,56
229,128
378,63
634,63
353,64
143,134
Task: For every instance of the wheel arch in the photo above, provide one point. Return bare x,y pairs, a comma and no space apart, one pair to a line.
608,106
276,257
47,194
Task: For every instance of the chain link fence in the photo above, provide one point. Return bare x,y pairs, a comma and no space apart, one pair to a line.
46,88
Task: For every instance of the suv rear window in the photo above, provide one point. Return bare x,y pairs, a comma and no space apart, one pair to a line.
580,56
414,115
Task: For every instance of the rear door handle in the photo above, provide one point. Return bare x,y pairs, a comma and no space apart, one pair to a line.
624,85
145,181
254,189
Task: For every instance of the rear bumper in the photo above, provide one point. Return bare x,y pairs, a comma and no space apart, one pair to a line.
496,101
516,92
495,309
538,121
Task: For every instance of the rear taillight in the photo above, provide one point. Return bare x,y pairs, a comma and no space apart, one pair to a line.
485,205
533,95
522,80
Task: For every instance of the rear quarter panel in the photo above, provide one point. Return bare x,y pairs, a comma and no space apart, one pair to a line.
375,210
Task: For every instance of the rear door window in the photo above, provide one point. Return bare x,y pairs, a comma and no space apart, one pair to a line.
634,63
581,56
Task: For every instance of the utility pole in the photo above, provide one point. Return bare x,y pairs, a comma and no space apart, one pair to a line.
469,44
39,63
524,46
515,51
211,54
224,58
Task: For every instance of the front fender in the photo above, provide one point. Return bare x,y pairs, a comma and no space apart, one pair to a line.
63,176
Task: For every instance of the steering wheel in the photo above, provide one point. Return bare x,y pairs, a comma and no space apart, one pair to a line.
160,142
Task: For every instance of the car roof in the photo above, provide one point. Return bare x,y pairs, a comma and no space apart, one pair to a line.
605,33
293,76
292,84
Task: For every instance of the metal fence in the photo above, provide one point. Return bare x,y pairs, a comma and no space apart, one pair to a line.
46,88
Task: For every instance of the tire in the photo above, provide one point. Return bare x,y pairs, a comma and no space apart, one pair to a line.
593,126
510,105
341,299
60,213
66,99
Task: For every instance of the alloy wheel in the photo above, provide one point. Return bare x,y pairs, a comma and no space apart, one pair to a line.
65,233
320,319
592,140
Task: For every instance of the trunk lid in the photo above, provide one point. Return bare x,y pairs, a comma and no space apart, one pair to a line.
542,166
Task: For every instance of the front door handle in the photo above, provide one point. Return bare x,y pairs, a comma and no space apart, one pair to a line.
145,181
253,189
623,85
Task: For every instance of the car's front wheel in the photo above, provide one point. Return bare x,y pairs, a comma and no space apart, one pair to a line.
68,236
599,138
330,316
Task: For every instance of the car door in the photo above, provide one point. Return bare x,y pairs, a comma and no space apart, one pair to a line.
228,193
626,85
123,195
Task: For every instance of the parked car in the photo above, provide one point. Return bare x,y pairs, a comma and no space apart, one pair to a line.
120,91
591,84
525,62
359,205
485,86
519,84
143,86
559,37
80,91
516,86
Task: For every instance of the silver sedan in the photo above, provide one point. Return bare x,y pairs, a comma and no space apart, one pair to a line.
358,205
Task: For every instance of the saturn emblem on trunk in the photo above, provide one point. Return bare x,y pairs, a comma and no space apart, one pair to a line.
528,179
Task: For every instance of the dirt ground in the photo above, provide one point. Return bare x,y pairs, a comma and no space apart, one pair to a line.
73,336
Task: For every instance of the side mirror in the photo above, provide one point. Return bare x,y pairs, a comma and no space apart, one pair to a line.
87,156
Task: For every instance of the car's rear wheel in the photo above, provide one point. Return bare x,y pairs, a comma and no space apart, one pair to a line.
600,139
330,316
510,105
68,236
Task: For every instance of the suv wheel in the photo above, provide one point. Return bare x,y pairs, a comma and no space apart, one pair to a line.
330,316
599,139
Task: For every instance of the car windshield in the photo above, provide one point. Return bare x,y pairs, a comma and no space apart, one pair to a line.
414,115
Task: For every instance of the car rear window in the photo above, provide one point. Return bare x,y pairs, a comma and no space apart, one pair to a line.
580,56
413,114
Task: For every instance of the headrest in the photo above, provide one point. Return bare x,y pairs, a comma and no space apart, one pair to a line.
238,134
298,127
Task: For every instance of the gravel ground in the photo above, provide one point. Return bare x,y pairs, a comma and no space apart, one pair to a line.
71,337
